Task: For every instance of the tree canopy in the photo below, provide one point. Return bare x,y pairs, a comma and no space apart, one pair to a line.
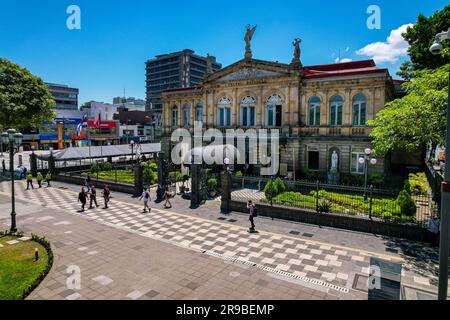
24,98
420,37
416,119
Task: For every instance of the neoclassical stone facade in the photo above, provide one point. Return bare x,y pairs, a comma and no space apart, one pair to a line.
318,109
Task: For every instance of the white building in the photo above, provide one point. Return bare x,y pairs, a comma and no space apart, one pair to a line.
106,110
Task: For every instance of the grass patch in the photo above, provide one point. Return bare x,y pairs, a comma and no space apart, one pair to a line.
124,176
18,270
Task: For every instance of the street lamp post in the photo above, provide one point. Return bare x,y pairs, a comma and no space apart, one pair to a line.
132,150
14,140
436,49
365,161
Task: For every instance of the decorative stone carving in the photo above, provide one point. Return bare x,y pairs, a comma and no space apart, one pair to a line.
248,38
297,52
249,74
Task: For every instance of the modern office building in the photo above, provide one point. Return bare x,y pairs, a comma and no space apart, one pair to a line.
181,69
130,104
66,98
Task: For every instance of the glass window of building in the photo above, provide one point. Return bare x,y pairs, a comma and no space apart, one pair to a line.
314,111
357,167
175,116
248,107
336,111
359,110
274,111
224,113
187,115
199,113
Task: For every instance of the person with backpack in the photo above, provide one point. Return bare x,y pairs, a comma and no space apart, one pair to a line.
82,197
48,178
30,181
146,196
93,197
253,213
39,179
106,195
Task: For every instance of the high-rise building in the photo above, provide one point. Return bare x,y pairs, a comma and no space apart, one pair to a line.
66,98
183,69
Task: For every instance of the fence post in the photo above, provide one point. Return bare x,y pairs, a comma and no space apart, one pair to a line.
271,191
371,202
317,196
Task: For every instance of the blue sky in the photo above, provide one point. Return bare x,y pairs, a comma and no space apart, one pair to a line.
117,37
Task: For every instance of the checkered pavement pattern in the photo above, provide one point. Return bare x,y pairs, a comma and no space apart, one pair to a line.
327,263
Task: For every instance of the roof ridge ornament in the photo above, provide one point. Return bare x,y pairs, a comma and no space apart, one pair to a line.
248,38
296,62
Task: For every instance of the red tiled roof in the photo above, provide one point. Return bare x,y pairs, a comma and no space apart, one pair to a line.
342,69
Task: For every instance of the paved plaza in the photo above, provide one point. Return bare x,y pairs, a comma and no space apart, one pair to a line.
201,254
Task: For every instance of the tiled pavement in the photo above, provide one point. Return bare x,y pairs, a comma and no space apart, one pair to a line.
327,268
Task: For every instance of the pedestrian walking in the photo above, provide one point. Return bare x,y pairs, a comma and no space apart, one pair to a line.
82,197
434,227
39,179
93,197
48,178
4,167
30,181
106,195
88,183
167,196
253,213
146,196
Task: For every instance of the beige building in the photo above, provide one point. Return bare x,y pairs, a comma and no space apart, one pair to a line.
318,109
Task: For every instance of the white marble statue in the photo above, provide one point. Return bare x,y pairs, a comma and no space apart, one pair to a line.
334,160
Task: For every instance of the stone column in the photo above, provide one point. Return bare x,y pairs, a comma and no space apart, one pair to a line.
138,180
260,107
347,121
236,109
33,164
225,178
196,170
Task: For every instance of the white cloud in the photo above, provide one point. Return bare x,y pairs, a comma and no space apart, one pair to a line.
337,60
394,48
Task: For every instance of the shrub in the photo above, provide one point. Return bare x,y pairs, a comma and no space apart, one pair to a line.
270,189
418,183
212,183
280,186
387,216
238,174
376,179
324,206
406,203
107,166
95,167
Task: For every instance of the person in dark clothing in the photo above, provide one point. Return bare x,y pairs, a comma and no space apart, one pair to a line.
106,195
88,183
93,197
82,197
4,166
252,214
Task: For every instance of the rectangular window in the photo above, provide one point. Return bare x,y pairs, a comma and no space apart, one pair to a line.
175,118
333,115
244,117
339,116
313,160
356,115
252,116
363,114
228,115
317,117
278,116
222,117
356,167
270,116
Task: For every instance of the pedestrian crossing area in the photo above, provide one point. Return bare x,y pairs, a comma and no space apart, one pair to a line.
332,266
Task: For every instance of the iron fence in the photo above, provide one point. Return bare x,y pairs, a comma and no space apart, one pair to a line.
376,204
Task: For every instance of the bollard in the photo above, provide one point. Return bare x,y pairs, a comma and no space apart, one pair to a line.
36,254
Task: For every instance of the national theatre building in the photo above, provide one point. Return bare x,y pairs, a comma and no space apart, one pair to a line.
320,110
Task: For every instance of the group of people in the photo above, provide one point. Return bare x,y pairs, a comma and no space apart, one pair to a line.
39,179
91,193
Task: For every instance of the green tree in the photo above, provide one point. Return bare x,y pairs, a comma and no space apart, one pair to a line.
420,37
24,98
416,119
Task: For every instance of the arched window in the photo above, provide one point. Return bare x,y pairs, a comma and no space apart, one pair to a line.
174,116
314,111
274,111
359,110
224,112
187,115
248,107
199,112
336,111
